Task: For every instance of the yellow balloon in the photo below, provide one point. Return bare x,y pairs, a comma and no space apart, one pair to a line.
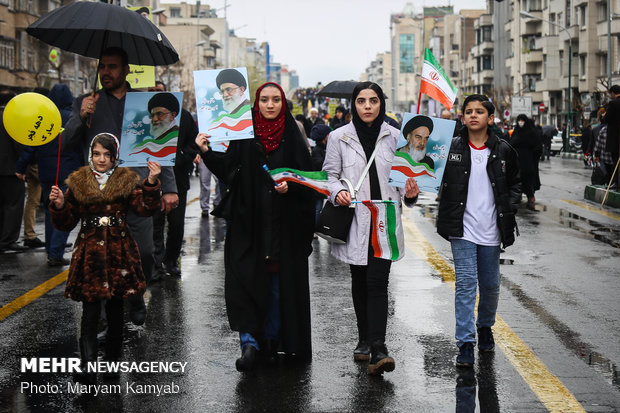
32,119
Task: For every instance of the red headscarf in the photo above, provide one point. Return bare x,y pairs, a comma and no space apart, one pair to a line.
269,131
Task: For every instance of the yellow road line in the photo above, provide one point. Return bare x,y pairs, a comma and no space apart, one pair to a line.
33,294
547,387
590,208
38,291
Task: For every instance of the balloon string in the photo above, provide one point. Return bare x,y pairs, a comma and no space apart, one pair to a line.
58,161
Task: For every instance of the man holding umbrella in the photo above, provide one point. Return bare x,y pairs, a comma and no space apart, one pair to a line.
103,112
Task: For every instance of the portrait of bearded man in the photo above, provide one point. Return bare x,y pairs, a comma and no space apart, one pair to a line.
417,131
163,109
232,86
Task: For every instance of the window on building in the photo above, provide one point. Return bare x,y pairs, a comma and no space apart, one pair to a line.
487,62
406,53
487,33
582,66
552,27
544,71
582,16
567,13
534,5
7,54
601,11
175,12
561,62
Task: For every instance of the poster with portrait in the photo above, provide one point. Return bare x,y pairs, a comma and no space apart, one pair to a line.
422,149
223,105
150,128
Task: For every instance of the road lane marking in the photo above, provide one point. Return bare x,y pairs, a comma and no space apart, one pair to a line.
547,387
43,288
591,208
33,294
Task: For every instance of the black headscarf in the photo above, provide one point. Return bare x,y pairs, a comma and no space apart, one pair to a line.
367,134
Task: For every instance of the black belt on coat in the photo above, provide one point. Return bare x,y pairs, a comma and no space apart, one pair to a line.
102,221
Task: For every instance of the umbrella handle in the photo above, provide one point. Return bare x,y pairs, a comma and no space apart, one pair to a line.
92,94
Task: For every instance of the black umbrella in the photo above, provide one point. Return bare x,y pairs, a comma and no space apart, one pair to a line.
342,89
87,28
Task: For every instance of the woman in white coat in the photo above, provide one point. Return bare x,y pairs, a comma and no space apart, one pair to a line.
348,151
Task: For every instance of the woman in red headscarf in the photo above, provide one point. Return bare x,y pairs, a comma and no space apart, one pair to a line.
269,233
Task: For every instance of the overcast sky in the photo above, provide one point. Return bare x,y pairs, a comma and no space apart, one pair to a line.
323,40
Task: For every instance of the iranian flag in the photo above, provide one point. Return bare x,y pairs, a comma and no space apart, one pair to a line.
316,180
404,164
383,237
435,82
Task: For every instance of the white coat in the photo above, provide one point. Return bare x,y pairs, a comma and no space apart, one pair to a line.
345,158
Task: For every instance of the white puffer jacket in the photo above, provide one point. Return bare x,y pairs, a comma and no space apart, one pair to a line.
345,158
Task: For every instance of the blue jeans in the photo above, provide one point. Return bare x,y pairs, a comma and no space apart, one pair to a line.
273,322
55,240
474,265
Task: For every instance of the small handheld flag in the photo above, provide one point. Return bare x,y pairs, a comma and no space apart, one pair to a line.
383,238
316,180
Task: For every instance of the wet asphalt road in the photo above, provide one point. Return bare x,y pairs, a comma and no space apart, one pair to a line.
558,309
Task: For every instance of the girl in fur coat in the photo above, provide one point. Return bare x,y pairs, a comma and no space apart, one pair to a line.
106,262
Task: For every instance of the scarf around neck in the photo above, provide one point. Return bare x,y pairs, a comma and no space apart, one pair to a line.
269,131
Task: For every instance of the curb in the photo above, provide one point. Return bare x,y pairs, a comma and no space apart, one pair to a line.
596,193
571,155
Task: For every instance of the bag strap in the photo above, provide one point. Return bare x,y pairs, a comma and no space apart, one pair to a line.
370,161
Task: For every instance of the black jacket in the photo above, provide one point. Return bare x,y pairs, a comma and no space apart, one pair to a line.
503,170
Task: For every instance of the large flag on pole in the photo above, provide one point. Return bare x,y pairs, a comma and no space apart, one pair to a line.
435,82
383,238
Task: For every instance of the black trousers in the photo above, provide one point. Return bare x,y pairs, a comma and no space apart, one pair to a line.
114,316
170,250
12,199
369,287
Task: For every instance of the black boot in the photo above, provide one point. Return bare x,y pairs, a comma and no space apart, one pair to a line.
379,359
113,350
362,351
137,309
247,361
88,352
269,352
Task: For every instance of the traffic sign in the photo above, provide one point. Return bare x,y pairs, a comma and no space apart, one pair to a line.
541,107
521,105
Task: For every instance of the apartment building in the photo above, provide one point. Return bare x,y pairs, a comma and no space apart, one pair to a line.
24,61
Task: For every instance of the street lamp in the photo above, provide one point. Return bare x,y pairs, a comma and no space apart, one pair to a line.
523,13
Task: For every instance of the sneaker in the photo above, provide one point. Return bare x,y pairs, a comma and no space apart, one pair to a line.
466,355
485,339
205,214
362,351
34,243
380,361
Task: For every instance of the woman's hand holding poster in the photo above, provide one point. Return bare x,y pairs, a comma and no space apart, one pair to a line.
223,105
421,153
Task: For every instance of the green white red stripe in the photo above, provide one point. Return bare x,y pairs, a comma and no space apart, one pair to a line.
316,180
237,122
383,237
404,164
435,83
159,148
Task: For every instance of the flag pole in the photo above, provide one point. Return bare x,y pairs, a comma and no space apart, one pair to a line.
419,100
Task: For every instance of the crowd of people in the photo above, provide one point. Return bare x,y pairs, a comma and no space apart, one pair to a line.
122,245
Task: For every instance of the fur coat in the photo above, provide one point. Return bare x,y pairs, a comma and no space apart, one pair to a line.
105,262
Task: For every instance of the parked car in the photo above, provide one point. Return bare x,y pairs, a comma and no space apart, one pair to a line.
557,146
